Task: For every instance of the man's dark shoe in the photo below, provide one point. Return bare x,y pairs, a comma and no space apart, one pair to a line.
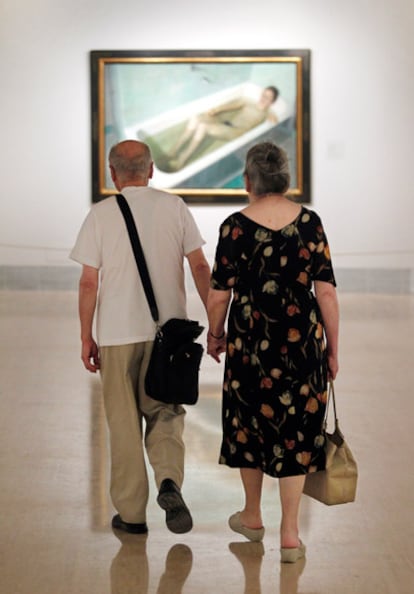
119,524
178,517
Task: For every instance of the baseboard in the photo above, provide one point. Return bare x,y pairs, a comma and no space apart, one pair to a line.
375,280
39,278
66,278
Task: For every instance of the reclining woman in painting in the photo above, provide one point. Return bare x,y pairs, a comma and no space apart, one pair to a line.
225,122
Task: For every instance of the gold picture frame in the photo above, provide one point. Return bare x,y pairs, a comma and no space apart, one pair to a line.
160,97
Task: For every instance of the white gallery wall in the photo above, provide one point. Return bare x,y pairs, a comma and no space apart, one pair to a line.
362,97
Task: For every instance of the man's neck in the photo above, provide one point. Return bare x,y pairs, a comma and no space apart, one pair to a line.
134,182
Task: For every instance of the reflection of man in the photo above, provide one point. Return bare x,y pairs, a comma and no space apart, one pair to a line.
130,568
125,331
224,122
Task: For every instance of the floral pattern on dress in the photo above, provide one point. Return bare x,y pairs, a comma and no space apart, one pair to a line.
275,377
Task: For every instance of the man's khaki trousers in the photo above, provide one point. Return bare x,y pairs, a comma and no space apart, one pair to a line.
136,421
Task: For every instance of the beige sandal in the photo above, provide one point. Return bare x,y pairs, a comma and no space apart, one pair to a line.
253,534
292,555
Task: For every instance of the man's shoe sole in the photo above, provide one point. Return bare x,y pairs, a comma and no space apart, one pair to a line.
178,517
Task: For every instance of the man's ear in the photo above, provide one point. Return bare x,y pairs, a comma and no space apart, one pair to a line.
151,170
115,178
113,174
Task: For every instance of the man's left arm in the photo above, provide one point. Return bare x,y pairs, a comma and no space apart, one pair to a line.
88,292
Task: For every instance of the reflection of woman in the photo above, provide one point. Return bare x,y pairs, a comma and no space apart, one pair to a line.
281,342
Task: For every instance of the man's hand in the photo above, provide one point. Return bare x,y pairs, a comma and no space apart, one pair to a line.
90,355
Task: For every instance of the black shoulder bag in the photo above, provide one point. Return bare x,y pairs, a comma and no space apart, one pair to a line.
173,371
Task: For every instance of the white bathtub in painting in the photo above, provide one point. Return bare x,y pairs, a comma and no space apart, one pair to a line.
141,130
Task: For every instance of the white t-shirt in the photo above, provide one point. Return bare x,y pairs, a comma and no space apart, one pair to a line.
167,232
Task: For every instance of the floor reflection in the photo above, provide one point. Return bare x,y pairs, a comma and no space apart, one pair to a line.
177,569
130,567
289,576
250,555
99,459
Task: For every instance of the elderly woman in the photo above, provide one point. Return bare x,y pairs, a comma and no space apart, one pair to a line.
273,263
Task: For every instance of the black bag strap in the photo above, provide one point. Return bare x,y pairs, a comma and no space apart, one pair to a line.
139,256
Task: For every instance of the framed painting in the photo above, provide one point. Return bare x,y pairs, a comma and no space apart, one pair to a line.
199,112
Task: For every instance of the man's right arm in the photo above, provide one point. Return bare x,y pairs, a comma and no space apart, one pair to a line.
200,271
88,291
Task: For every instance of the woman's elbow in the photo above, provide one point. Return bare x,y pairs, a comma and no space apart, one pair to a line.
324,290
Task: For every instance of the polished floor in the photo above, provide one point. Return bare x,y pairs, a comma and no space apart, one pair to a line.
55,535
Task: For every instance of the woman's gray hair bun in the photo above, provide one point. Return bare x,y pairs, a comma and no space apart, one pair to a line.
267,168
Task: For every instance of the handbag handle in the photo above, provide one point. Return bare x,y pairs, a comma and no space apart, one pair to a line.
331,398
139,256
337,435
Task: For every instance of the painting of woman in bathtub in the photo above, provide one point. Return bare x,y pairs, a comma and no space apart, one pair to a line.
200,114
223,123
203,142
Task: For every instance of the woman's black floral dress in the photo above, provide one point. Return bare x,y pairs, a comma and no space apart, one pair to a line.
275,379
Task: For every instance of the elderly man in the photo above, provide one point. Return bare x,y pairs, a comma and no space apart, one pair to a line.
111,287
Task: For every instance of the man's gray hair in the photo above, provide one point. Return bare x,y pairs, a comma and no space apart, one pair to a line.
130,166
267,169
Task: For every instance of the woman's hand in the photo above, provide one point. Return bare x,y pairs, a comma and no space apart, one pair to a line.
217,304
333,366
216,346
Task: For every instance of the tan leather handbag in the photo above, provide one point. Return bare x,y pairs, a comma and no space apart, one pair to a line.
338,482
